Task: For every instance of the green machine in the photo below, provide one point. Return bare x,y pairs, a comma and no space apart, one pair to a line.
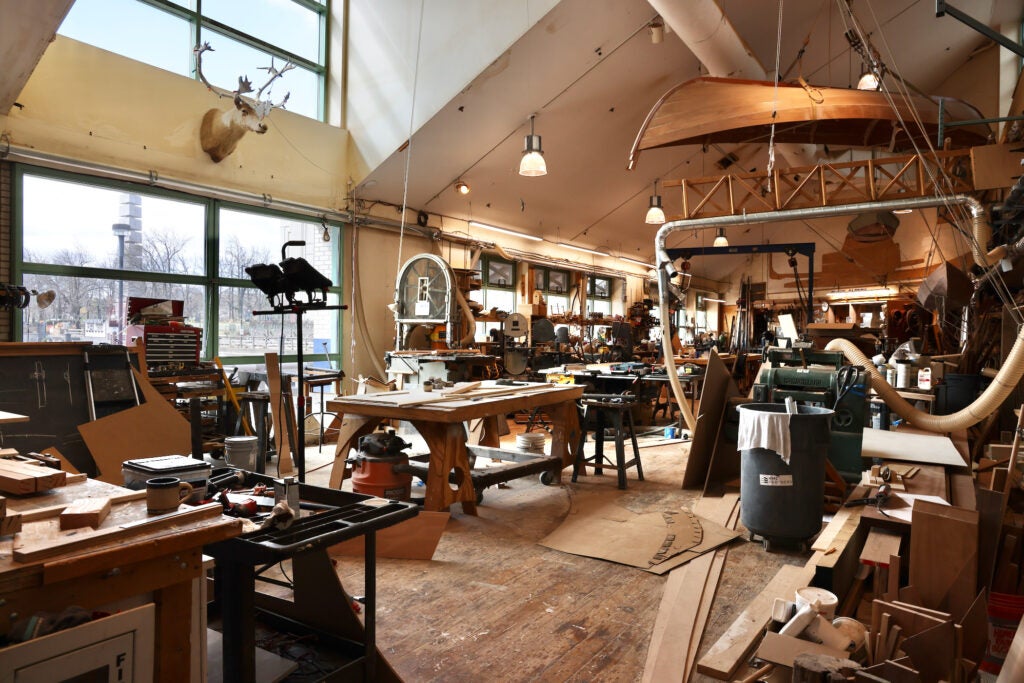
819,378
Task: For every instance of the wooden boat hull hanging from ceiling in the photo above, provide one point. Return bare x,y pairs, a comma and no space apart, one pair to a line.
724,110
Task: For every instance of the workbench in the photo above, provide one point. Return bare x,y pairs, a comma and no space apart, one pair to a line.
163,561
439,418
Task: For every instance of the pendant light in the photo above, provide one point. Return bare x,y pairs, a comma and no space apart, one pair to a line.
655,214
532,164
720,239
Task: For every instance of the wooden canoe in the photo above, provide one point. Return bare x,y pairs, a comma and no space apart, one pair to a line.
723,110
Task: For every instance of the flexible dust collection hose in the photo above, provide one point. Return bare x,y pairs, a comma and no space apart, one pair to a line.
989,401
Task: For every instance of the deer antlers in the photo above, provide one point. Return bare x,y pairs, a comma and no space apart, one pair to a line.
262,107
220,131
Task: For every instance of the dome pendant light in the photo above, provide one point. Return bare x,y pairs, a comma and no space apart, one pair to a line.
720,239
655,214
532,164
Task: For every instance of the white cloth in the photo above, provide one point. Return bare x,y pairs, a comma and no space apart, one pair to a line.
763,429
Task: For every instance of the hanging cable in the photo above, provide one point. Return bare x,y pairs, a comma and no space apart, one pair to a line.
408,146
775,99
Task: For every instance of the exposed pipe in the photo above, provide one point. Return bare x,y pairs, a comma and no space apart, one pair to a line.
468,312
989,401
1004,382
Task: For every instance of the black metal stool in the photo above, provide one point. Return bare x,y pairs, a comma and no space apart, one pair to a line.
608,410
254,408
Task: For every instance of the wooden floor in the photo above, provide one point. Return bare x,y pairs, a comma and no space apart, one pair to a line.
493,605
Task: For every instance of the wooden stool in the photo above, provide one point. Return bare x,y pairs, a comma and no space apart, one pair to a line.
609,410
254,407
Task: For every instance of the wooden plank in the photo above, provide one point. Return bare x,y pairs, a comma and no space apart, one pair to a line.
45,511
826,538
944,556
910,621
45,478
880,546
962,491
686,602
718,388
929,449
931,651
89,512
282,442
36,548
16,483
725,656
10,523
990,522
779,649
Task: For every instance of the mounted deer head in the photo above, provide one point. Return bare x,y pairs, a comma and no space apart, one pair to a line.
222,129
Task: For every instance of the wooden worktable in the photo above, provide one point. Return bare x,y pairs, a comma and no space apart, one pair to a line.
441,426
162,561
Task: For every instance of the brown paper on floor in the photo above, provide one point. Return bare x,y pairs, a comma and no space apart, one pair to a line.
413,539
602,528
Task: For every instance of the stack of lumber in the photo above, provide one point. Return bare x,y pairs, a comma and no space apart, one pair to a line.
908,642
23,478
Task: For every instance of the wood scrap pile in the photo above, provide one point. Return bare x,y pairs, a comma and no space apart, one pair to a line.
23,476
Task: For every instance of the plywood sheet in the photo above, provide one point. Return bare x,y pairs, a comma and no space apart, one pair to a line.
718,388
944,556
145,431
414,539
931,449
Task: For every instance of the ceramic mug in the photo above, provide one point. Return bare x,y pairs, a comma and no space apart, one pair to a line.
164,494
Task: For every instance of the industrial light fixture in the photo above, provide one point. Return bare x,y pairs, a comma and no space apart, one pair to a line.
720,239
869,293
655,214
532,164
506,231
714,300
657,29
636,261
461,187
583,249
869,80
282,282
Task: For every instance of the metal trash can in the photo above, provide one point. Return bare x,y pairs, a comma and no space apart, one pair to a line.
780,501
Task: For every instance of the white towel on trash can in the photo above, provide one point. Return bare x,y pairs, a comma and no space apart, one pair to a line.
762,429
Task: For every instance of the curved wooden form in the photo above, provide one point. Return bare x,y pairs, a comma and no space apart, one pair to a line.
716,110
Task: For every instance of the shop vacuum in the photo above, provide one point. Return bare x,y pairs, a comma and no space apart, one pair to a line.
373,468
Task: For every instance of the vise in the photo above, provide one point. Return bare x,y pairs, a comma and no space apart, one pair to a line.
819,378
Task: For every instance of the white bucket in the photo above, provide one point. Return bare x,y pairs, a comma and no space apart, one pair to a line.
240,452
531,442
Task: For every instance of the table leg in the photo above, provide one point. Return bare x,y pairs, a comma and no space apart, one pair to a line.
352,427
447,444
174,632
565,433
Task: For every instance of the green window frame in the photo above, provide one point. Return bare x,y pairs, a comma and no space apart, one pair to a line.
209,280
205,28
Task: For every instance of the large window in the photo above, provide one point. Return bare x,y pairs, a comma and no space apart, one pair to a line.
599,295
555,286
245,36
97,244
